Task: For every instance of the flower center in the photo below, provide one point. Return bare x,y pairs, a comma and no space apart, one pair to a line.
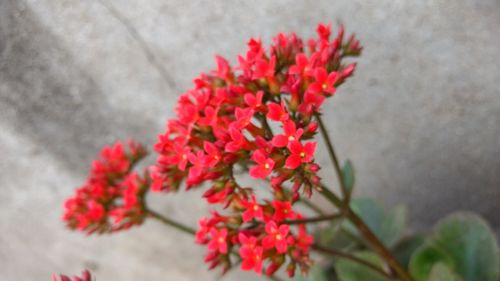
266,166
302,154
291,138
324,86
279,237
184,156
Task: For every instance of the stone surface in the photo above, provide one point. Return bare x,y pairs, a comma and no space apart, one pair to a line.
420,120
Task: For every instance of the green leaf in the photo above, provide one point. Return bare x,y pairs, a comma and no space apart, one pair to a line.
316,273
472,245
334,237
388,227
348,176
394,225
348,270
405,248
441,272
425,258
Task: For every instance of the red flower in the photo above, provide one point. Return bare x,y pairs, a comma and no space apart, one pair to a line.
243,117
111,191
210,118
253,210
277,112
213,154
180,156
196,171
303,65
86,276
245,241
218,241
238,141
254,101
282,210
252,258
223,68
303,239
323,82
323,31
300,154
291,134
264,68
250,253
265,165
276,237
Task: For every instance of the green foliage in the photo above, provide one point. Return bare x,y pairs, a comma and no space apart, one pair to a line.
441,272
388,227
465,244
405,248
348,270
471,243
462,247
425,258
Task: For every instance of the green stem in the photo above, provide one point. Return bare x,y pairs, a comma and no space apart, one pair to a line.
372,239
171,223
355,259
334,199
378,246
333,157
314,219
311,206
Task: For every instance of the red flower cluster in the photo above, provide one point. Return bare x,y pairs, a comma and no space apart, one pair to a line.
111,199
86,276
257,116
267,236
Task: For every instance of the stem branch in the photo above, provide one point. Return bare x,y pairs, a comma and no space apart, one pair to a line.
314,219
347,256
378,246
171,223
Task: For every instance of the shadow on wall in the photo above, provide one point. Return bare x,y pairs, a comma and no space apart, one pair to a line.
45,96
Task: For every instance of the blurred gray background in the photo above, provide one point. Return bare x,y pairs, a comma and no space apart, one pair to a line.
420,119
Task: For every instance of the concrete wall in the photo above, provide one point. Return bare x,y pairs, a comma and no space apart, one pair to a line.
420,120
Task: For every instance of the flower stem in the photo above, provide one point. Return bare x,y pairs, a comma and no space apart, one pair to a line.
377,245
314,219
333,157
347,256
169,222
